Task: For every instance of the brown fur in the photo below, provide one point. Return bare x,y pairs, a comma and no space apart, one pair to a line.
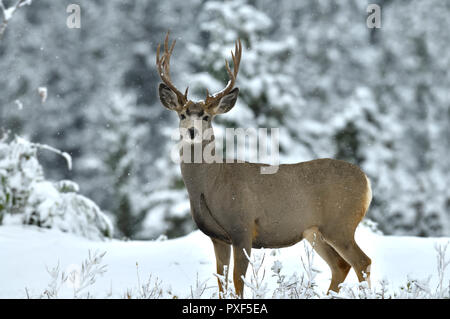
247,210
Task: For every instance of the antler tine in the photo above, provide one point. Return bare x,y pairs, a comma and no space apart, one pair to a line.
237,60
168,53
157,54
163,65
236,57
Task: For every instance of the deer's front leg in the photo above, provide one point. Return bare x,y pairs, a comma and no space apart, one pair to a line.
222,251
240,262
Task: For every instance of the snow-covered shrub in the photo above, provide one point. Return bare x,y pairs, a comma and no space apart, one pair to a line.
152,288
27,197
256,283
301,286
79,280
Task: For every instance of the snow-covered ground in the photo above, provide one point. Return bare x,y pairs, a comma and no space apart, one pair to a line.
27,251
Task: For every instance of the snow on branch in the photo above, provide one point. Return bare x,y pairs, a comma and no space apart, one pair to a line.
66,156
8,13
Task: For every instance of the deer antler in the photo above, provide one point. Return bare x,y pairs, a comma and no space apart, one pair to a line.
163,65
236,56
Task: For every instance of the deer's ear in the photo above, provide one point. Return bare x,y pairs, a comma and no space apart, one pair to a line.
227,102
168,97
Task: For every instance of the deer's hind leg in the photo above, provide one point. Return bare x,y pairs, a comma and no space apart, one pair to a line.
338,266
350,251
222,251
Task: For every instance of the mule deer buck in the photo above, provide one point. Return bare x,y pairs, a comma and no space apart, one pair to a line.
235,205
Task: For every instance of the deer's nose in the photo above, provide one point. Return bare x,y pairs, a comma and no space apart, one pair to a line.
192,132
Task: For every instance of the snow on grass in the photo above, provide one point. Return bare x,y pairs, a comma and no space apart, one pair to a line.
184,267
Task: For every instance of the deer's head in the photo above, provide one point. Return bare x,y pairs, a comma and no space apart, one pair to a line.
196,116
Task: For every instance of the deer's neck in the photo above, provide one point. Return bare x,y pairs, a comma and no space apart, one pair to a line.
198,174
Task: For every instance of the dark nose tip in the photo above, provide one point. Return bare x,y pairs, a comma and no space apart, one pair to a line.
192,132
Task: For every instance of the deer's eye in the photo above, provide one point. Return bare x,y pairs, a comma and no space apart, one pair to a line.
206,118
182,116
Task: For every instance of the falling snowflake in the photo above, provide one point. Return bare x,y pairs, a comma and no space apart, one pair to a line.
19,104
42,93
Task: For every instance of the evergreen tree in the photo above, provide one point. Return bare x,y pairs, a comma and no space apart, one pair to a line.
118,147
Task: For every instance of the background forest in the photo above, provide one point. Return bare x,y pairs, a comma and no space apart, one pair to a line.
379,98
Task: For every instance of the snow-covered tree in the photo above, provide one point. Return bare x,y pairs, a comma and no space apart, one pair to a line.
118,153
27,197
412,84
